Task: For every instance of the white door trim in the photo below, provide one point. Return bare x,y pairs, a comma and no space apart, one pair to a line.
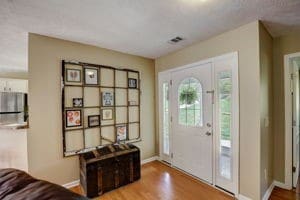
163,77
235,120
235,110
208,60
288,121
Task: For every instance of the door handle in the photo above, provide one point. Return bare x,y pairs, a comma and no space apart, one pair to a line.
212,92
208,133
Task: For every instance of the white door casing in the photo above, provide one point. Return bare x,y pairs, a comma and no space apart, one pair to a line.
226,151
163,82
192,144
288,182
217,64
295,123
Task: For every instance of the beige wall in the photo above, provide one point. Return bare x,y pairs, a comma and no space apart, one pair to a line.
282,46
245,40
45,153
266,102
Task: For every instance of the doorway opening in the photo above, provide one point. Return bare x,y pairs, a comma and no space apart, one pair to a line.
292,119
199,120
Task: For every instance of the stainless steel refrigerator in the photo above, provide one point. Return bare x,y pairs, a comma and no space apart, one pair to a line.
12,106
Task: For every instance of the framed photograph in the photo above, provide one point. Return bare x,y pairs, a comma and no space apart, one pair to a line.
132,83
78,102
107,114
93,120
121,132
73,75
91,76
107,99
73,118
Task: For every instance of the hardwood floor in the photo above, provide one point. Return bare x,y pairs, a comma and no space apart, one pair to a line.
282,194
162,182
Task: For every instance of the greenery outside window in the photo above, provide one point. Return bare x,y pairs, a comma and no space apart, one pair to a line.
166,125
190,102
225,121
225,88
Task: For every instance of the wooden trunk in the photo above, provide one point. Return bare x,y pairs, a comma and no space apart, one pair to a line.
108,168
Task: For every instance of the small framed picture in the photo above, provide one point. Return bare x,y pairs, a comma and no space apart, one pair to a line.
78,102
91,76
93,120
132,83
121,132
73,118
73,75
107,99
107,114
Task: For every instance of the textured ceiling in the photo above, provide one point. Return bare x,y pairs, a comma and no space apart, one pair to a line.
140,27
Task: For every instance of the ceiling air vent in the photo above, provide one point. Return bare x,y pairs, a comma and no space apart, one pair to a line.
175,40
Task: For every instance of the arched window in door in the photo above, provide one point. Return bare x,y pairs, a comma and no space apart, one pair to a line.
190,102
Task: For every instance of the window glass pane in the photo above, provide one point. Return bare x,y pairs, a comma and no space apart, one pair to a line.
225,119
190,102
166,147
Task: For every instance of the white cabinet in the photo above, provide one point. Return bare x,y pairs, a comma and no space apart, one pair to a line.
13,85
13,149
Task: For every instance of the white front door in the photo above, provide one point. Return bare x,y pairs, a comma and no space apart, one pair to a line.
295,123
192,118
199,120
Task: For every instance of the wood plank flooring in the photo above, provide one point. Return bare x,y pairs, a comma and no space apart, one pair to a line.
282,194
161,182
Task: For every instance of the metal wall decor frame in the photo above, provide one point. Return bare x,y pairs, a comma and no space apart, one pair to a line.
83,86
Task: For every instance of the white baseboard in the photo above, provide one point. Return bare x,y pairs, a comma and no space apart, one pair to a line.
76,183
242,197
282,185
71,184
269,191
149,160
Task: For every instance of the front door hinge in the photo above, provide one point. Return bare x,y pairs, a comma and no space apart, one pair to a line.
171,119
171,155
294,169
171,82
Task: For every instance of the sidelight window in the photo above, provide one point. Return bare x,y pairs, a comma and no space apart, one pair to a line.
166,115
225,121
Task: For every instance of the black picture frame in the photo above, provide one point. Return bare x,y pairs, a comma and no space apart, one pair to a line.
107,99
116,79
93,117
77,102
119,135
68,78
85,75
132,83
68,118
